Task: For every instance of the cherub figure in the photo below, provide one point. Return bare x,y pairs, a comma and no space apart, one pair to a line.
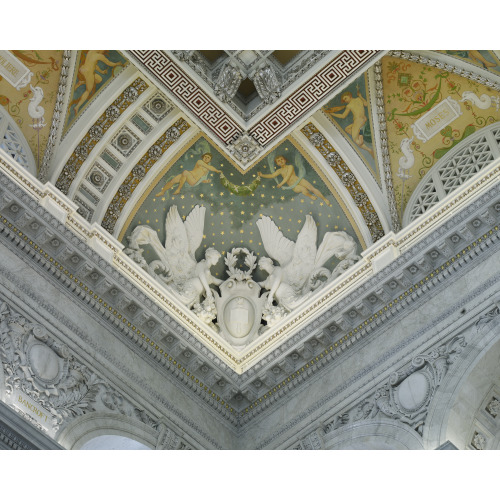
300,268
474,55
177,266
193,177
88,74
290,178
356,106
279,290
202,279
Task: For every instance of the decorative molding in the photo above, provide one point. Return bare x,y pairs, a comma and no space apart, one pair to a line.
188,93
139,171
310,94
270,127
95,133
407,393
244,148
347,178
478,441
371,370
384,145
41,369
89,290
470,75
300,65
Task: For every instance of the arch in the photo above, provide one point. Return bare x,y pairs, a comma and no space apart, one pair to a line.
2,383
456,167
97,425
458,398
13,142
382,434
113,442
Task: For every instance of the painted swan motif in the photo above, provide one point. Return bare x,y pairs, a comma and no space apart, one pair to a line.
34,109
408,160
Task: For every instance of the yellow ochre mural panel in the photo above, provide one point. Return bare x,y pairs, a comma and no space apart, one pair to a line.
46,68
429,111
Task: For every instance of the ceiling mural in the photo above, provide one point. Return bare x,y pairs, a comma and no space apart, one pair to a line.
203,201
32,106
428,112
286,186
244,233
349,111
95,69
486,59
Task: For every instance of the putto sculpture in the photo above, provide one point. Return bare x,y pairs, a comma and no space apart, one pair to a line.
237,309
301,268
177,267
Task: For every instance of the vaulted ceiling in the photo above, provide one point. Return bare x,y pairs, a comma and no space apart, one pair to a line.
368,131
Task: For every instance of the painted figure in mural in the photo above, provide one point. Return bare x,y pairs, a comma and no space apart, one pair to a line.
356,106
301,186
88,74
474,55
193,177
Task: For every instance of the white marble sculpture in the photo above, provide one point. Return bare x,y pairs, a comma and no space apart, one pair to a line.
300,268
177,266
35,110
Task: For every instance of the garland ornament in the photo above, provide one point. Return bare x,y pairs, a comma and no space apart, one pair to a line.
243,190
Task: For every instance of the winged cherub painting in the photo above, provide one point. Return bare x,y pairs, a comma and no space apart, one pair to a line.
300,269
177,266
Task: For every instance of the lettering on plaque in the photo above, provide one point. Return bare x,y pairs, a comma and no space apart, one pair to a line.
13,70
31,408
436,119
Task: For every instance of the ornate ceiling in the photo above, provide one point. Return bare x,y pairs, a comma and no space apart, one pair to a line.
257,152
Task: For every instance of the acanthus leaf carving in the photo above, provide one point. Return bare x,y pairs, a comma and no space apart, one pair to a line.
41,369
407,393
227,83
267,84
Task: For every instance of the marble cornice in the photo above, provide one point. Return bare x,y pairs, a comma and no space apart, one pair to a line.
471,215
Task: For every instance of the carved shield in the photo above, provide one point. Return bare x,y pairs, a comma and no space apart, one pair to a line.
239,311
239,316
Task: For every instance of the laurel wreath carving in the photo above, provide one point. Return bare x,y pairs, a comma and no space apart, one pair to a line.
231,261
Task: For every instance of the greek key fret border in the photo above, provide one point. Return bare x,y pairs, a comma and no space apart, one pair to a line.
309,94
188,92
272,125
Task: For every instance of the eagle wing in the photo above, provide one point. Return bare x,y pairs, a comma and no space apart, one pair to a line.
277,246
177,246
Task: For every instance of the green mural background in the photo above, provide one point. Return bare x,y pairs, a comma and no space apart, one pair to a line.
230,219
363,142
